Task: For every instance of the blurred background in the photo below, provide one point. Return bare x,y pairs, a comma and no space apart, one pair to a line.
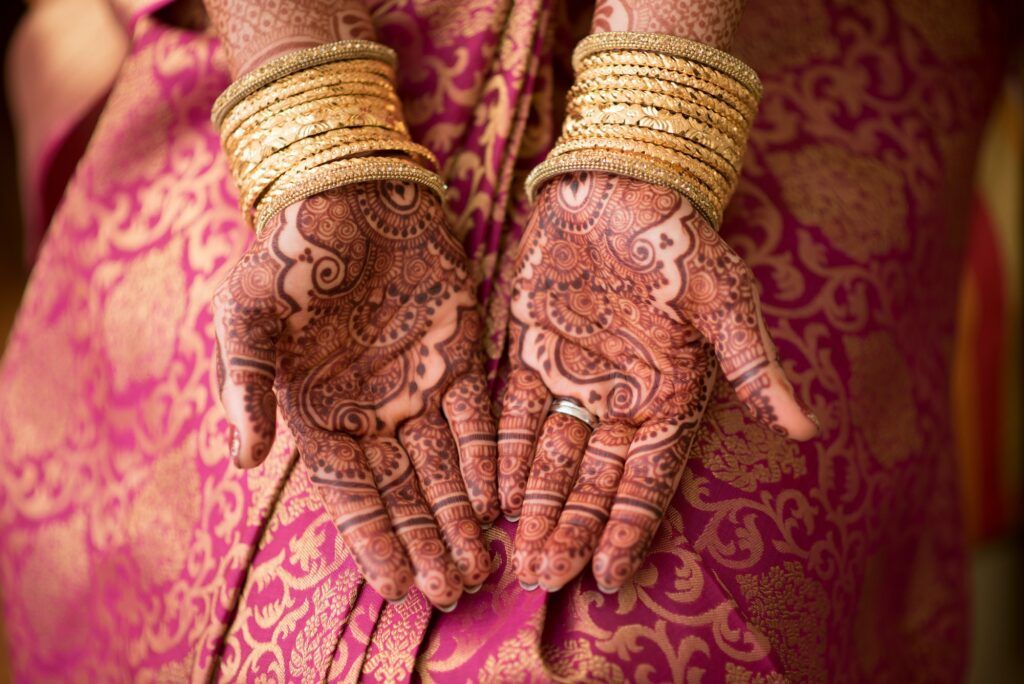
987,365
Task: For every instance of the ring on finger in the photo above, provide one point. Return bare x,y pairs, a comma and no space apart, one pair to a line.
571,408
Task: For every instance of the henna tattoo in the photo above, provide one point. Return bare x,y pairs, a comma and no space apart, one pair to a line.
551,477
712,22
254,33
622,297
355,310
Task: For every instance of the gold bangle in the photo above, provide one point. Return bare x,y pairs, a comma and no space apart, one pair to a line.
263,184
344,75
719,186
249,161
696,145
687,68
282,129
703,109
245,116
350,171
298,60
656,119
674,46
621,165
667,81
689,74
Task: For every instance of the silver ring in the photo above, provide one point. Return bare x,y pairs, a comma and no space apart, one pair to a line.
571,408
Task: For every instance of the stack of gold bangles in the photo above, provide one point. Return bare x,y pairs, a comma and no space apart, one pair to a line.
316,119
657,108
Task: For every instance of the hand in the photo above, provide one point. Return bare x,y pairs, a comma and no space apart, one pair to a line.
623,297
357,307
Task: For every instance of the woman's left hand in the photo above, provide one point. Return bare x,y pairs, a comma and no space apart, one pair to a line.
622,299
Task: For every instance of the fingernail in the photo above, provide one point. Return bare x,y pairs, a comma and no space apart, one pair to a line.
549,589
448,609
473,589
811,416
527,587
607,590
236,446
398,602
512,518
486,526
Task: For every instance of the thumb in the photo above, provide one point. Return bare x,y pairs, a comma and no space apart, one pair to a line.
247,329
721,300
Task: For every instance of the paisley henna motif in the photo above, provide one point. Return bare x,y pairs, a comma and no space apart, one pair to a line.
622,299
355,310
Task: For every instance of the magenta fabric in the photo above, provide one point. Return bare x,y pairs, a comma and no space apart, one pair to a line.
130,549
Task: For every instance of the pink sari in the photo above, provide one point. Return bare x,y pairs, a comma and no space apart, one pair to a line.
130,549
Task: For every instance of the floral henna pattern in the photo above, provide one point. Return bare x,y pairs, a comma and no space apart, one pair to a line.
623,297
355,311
551,476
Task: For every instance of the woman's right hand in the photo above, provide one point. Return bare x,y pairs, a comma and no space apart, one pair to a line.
357,307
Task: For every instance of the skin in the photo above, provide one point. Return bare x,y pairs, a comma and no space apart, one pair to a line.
256,32
356,314
628,302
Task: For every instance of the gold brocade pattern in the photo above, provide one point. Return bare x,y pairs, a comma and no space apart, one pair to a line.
135,551
887,421
862,210
793,610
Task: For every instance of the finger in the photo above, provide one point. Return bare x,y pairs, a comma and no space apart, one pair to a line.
247,326
722,302
523,409
654,464
436,574
468,410
338,470
571,544
428,441
554,470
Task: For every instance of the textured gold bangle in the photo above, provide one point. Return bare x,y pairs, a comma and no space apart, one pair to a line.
681,66
667,81
249,159
690,74
350,171
343,75
365,91
708,156
285,169
668,45
719,186
656,119
703,109
621,165
286,127
298,60
712,153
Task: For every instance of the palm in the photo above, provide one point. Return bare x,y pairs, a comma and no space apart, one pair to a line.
619,288
356,308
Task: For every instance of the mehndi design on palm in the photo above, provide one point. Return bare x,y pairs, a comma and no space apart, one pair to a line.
357,308
622,299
